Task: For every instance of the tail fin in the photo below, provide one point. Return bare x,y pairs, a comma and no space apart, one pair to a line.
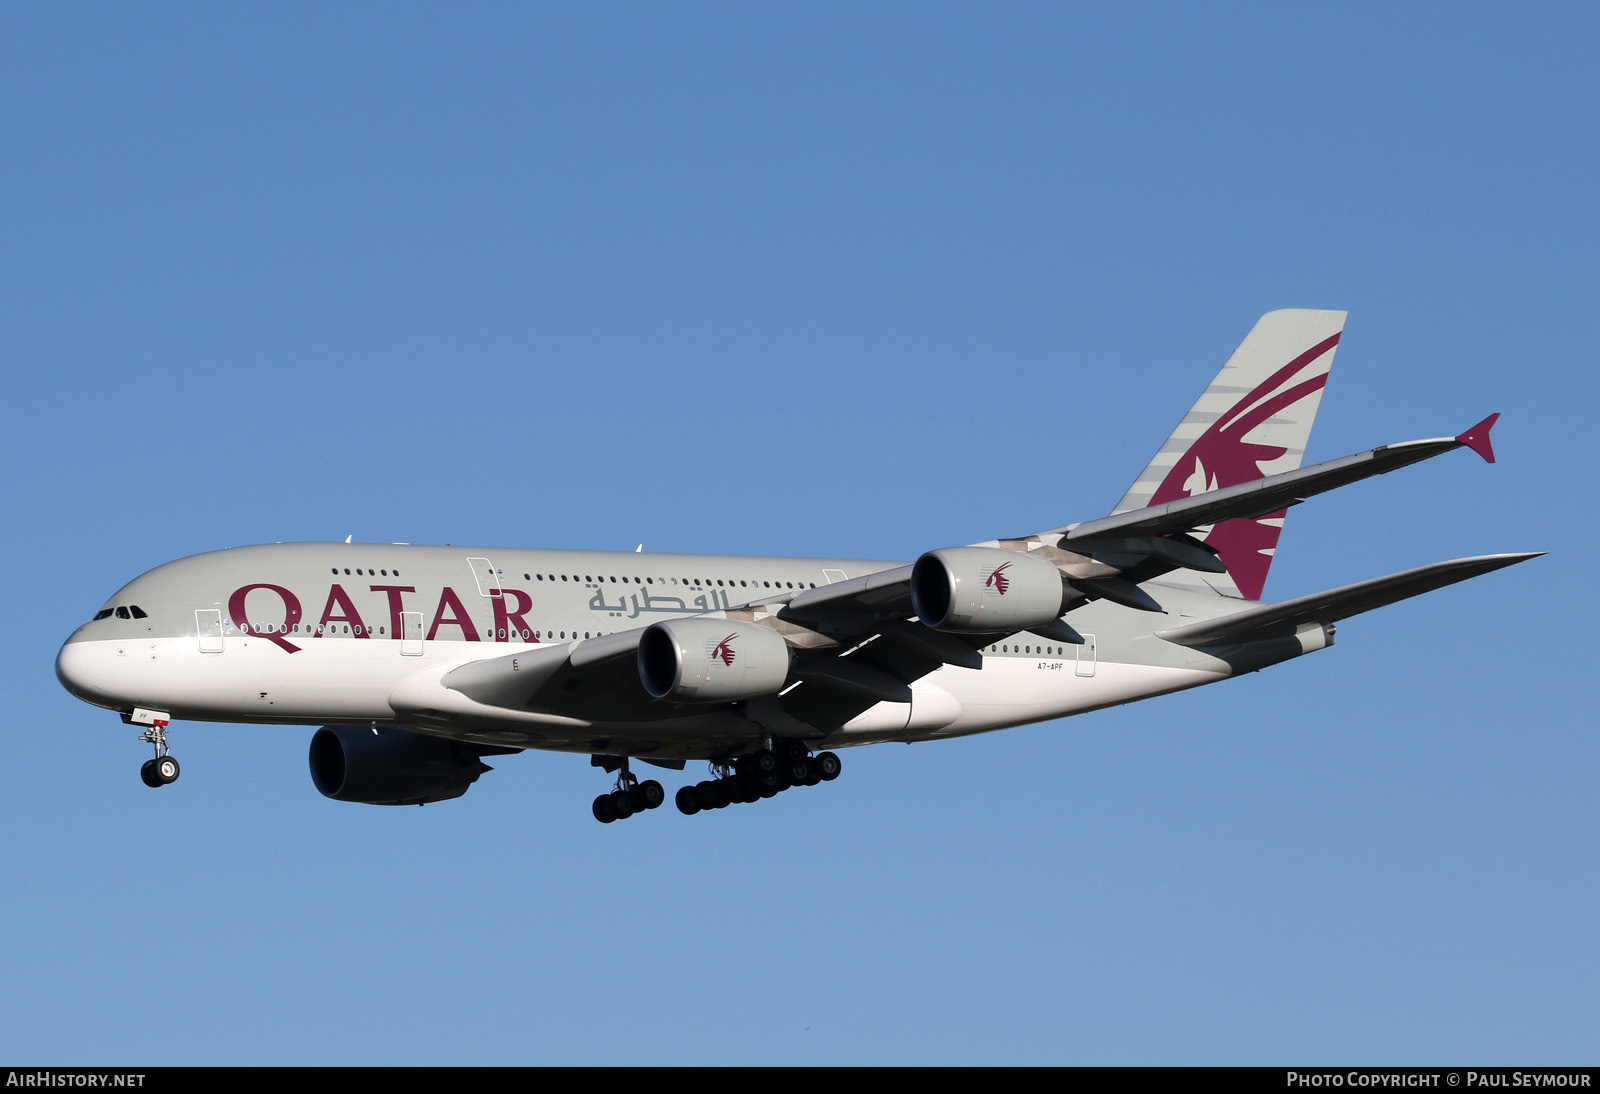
1253,420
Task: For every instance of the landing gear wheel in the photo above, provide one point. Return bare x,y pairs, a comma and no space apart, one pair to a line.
147,773
686,799
604,812
704,796
622,803
652,793
829,765
166,769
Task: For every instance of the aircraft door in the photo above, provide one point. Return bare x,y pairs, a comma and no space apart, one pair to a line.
411,634
208,625
487,577
1086,656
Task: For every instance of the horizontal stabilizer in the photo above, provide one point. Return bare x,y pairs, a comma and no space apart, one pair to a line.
1278,620
1275,492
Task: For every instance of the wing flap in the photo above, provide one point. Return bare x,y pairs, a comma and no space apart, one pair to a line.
1332,605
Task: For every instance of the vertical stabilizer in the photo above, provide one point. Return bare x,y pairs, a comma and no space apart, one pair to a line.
1252,421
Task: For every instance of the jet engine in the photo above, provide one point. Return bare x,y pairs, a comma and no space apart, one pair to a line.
711,660
976,590
391,766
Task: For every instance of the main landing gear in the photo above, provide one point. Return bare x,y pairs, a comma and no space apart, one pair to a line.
631,796
760,775
164,768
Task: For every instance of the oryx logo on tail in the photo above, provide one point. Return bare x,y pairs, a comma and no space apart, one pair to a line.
723,651
997,580
1252,421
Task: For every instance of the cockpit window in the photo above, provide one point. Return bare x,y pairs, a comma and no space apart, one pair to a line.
103,613
138,612
122,613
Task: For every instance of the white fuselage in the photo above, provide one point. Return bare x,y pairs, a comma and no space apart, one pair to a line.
342,634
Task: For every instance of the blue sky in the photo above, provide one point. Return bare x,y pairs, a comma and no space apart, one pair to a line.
829,280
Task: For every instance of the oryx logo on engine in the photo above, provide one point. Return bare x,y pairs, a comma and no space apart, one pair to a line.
722,651
997,580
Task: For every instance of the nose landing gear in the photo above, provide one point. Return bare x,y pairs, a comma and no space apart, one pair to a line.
160,771
164,768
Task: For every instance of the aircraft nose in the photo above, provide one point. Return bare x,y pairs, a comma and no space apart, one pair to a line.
75,668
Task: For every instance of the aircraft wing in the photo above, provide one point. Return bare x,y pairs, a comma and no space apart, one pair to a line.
855,643
1275,492
1278,620
518,681
883,595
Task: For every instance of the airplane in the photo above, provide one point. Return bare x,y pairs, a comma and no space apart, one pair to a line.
417,662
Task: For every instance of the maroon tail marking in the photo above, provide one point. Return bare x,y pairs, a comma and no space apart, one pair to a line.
1224,458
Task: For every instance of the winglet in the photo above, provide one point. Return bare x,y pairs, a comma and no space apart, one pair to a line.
1477,438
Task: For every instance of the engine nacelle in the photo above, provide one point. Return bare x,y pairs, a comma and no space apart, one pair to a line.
391,766
977,590
711,660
